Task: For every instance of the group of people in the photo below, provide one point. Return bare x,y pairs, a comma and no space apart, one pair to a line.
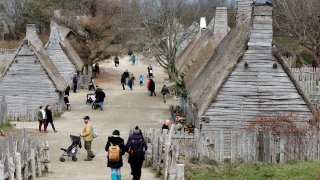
136,147
44,118
127,78
115,147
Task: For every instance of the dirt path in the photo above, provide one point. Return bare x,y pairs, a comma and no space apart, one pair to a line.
122,110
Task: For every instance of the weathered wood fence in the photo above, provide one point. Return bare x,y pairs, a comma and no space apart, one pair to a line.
25,113
308,78
3,110
23,158
5,56
169,151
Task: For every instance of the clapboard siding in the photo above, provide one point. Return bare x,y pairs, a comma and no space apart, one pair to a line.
58,56
243,5
262,87
26,83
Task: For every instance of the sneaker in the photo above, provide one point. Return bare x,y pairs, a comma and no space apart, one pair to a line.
88,159
55,131
93,156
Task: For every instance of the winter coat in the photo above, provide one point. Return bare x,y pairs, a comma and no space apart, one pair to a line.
134,138
116,141
87,132
126,74
165,91
49,115
123,80
152,85
66,92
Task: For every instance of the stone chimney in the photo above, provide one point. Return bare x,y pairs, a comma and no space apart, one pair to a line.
31,29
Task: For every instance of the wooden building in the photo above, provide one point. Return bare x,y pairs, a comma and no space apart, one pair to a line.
245,78
195,57
62,54
31,80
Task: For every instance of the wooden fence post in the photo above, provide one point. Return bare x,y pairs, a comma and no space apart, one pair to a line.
180,171
18,166
33,165
11,168
282,148
47,156
1,171
221,147
167,149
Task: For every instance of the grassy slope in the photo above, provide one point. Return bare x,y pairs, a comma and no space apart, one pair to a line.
301,170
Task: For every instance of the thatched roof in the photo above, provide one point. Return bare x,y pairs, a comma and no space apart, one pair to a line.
227,54
67,47
33,41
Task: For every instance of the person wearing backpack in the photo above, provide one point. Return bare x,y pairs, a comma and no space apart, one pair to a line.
115,149
136,147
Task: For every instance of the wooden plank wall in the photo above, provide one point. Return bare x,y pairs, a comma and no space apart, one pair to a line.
58,56
26,84
258,85
23,158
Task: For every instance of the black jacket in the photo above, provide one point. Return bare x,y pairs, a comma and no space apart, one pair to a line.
49,115
135,137
116,141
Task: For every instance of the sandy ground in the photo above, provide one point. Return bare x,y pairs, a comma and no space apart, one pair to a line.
123,109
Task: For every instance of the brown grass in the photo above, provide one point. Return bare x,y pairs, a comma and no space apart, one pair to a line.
9,44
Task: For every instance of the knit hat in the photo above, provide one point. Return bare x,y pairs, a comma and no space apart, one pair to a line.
116,133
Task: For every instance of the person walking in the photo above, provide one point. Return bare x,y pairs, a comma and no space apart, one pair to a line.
42,119
152,87
133,59
164,92
115,150
150,71
166,125
91,84
141,79
87,137
67,91
123,82
100,95
49,117
131,81
126,76
116,61
75,83
136,147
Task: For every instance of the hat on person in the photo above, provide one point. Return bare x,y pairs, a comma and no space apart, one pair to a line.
86,118
116,133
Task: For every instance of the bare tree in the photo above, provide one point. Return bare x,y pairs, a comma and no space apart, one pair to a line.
301,21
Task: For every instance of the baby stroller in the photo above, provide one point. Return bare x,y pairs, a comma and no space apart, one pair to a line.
72,150
95,104
90,99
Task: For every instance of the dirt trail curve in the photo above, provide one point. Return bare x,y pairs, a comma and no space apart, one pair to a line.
122,110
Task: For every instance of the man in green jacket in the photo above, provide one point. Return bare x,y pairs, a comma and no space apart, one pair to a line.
87,137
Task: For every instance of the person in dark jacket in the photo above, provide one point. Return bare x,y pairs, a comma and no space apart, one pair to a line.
67,91
123,81
152,87
115,139
75,83
126,76
100,95
164,92
49,118
136,142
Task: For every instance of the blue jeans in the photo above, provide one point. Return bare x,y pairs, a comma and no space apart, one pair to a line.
115,174
101,105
